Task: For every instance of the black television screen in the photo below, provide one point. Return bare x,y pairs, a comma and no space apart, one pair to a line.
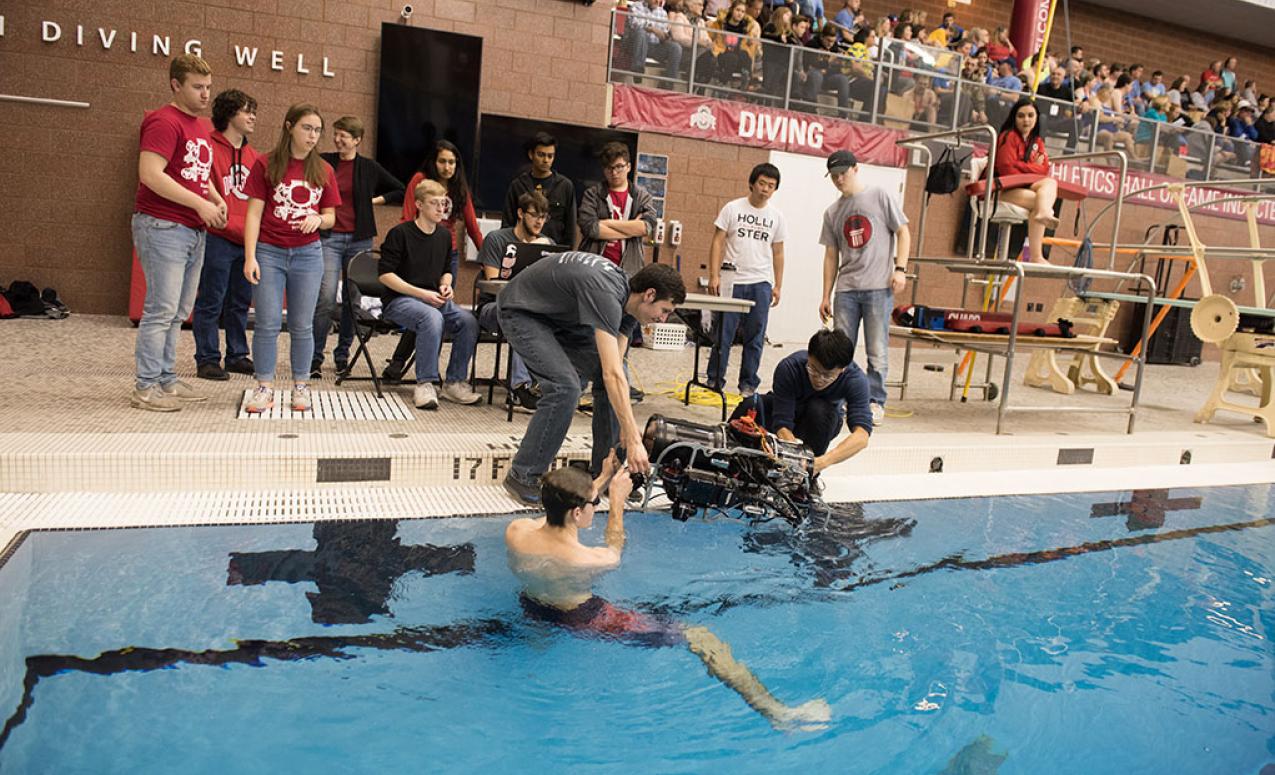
428,92
502,154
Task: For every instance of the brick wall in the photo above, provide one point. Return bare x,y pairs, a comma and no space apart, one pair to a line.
68,176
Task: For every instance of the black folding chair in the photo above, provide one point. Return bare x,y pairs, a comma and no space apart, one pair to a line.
362,278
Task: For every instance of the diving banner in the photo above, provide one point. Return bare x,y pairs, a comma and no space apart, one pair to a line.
703,118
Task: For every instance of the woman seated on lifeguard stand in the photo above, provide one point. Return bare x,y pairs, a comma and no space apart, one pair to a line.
1021,151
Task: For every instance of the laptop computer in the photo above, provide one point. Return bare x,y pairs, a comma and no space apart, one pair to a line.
520,255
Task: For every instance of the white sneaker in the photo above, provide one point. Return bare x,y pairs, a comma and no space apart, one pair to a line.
301,399
261,400
154,399
878,413
183,392
459,393
425,397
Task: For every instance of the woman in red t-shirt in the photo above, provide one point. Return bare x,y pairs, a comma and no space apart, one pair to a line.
444,165
1021,151
292,194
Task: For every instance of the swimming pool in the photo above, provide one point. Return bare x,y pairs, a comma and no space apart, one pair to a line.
1113,632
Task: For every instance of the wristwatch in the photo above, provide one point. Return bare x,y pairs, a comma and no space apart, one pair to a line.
901,269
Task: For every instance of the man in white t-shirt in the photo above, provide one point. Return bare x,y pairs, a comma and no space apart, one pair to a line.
746,261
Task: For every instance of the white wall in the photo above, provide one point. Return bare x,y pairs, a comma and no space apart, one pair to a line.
804,193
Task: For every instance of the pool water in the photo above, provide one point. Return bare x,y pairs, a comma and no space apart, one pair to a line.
1094,633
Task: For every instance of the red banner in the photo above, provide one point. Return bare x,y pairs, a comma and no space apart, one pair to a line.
685,115
1102,182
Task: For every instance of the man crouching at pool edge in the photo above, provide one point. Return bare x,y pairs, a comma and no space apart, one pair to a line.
558,572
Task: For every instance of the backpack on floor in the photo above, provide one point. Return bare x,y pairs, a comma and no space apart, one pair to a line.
24,299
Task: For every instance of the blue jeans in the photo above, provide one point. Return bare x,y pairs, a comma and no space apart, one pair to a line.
817,80
637,44
754,322
171,256
558,359
338,249
429,324
517,368
224,296
298,273
873,308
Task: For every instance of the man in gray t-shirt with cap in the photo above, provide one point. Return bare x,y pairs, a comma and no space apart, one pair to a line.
859,265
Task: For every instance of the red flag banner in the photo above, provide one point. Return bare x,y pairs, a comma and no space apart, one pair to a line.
686,115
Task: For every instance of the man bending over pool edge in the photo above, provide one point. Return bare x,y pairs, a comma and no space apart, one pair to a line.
558,573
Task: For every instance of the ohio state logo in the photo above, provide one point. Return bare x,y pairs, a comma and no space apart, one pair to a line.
295,199
198,161
857,230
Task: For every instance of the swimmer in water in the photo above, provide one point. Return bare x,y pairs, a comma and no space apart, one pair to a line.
558,572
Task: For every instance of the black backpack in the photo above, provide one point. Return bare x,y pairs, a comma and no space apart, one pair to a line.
945,174
25,299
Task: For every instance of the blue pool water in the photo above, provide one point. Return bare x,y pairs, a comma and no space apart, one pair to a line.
1090,633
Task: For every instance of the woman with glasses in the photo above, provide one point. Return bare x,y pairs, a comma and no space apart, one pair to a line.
292,194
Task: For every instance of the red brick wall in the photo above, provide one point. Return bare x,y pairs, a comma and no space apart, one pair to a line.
68,176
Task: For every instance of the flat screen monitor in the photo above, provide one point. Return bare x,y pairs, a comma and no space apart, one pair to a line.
428,92
502,154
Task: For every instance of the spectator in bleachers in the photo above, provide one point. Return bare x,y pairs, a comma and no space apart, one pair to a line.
980,37
1133,92
1112,122
759,11
1078,53
1005,78
687,25
647,34
713,7
824,68
947,33
1021,151
775,56
801,32
1057,111
1001,49
848,18
735,44
861,70
1179,91
925,102
1250,91
1203,96
1228,72
1212,75
1241,125
1155,86
812,9
973,97
1157,112
1266,124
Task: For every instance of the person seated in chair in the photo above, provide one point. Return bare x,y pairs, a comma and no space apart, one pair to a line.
812,390
498,253
416,270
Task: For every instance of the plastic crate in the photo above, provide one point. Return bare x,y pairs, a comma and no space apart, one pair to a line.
664,336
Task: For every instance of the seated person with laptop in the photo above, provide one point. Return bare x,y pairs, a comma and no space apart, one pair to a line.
416,270
503,254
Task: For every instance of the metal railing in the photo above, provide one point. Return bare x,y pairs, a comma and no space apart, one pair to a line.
905,85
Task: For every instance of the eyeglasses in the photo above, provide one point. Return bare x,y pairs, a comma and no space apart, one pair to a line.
621,167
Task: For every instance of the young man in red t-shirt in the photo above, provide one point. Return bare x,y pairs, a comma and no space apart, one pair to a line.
224,293
175,204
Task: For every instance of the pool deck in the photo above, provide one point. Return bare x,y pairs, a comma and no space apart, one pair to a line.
76,454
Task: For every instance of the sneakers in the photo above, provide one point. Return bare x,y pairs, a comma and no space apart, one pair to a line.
524,400
459,393
425,397
747,392
316,370
261,400
240,366
184,392
342,366
301,399
878,413
211,371
153,399
526,493
636,395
